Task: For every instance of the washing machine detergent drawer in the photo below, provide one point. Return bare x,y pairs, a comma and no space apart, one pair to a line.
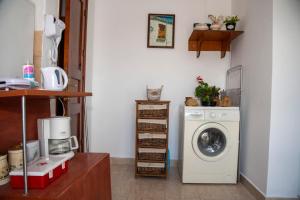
195,115
222,115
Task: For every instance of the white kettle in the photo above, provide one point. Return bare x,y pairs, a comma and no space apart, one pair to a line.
54,78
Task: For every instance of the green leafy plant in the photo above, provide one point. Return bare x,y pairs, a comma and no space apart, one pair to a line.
206,93
231,20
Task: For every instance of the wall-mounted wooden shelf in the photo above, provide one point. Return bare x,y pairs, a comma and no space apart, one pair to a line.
212,41
38,93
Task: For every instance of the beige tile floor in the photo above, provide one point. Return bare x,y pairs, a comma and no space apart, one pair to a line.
126,187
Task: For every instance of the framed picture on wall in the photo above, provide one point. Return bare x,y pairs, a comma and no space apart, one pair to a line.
161,31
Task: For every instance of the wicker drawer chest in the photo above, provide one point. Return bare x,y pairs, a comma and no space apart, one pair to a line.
152,125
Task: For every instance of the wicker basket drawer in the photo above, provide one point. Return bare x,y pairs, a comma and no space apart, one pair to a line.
144,168
150,154
152,111
154,125
152,139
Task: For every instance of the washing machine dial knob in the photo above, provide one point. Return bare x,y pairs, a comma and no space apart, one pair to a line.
223,114
213,115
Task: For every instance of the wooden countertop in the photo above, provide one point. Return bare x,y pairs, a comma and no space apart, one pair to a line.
79,167
42,93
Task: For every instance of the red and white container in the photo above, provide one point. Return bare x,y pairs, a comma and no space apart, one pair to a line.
40,173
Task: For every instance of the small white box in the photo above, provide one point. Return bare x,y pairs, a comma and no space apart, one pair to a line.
33,151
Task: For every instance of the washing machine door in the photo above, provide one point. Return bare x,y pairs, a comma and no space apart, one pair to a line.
211,142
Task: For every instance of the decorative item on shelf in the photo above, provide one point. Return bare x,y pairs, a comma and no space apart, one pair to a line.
208,25
201,26
154,94
161,31
217,22
190,101
15,157
208,95
225,102
230,22
28,71
3,170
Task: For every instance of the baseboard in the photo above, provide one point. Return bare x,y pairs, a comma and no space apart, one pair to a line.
251,188
256,193
282,198
131,161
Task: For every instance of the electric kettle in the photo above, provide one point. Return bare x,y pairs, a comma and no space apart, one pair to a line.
54,78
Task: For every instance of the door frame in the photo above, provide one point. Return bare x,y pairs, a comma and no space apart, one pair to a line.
83,35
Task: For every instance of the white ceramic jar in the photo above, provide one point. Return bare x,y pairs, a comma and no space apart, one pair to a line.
3,170
15,158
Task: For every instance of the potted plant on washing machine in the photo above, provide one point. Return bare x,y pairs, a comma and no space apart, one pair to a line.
208,95
230,22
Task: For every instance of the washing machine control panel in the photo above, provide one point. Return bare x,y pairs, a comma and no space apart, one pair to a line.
195,115
212,114
221,115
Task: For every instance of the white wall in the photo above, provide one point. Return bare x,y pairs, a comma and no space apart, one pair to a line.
51,7
39,13
119,66
43,7
17,33
284,152
254,51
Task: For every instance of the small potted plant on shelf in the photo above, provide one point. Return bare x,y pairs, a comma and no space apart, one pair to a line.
230,22
207,94
217,22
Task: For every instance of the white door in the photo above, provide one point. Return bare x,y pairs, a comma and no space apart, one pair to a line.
211,142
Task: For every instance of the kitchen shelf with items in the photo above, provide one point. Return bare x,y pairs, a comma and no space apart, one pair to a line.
38,103
77,183
152,125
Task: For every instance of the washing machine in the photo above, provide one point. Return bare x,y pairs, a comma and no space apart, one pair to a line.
209,145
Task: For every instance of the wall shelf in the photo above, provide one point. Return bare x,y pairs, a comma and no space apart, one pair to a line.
38,93
212,41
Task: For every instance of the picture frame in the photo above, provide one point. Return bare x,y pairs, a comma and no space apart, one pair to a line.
161,31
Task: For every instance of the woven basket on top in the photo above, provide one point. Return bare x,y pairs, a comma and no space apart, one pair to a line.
154,94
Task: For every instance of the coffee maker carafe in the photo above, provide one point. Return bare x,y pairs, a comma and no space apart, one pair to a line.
55,137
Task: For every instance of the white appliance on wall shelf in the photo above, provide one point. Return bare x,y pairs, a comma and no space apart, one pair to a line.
210,145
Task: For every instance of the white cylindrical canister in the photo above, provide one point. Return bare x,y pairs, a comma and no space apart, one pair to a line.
15,157
3,170
28,72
